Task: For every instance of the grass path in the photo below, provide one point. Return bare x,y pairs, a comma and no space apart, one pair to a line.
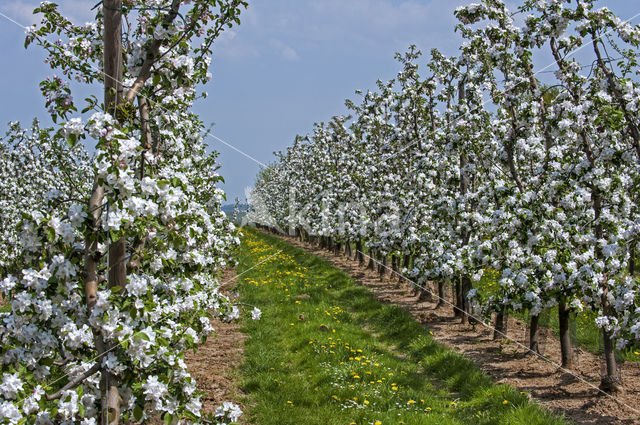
327,352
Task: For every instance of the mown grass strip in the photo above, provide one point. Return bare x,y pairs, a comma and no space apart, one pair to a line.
327,352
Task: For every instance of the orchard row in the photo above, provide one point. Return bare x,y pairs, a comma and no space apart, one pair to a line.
477,163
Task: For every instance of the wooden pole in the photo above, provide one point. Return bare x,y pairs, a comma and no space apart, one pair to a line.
118,249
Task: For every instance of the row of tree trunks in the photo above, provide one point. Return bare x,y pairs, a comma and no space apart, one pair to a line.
462,307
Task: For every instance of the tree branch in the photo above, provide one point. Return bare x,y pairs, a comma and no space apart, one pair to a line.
74,382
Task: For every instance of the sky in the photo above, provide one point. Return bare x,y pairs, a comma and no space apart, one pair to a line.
289,64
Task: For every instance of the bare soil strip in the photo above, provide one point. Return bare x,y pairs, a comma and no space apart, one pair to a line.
214,364
505,361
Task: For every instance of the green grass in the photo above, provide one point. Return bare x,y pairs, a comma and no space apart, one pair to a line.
338,356
584,331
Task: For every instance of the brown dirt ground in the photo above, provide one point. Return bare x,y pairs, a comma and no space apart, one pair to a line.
214,365
504,360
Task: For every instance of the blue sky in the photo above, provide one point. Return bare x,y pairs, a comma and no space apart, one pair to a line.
289,64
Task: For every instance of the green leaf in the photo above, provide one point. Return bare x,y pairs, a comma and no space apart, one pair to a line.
115,235
51,234
141,335
168,419
137,413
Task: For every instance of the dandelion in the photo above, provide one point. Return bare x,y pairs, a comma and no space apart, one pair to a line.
505,402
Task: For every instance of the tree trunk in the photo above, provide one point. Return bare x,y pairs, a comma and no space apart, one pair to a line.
406,264
347,250
394,267
382,265
441,296
565,334
359,255
534,334
425,294
117,275
610,381
466,286
502,324
459,308
372,254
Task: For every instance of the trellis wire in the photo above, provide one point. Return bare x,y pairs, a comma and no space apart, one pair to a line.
504,335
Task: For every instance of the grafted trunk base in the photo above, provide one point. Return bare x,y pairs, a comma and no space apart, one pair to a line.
611,385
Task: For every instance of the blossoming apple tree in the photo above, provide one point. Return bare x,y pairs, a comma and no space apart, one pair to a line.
115,273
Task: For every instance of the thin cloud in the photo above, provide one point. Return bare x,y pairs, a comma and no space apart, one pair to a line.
347,27
285,50
78,11
21,11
